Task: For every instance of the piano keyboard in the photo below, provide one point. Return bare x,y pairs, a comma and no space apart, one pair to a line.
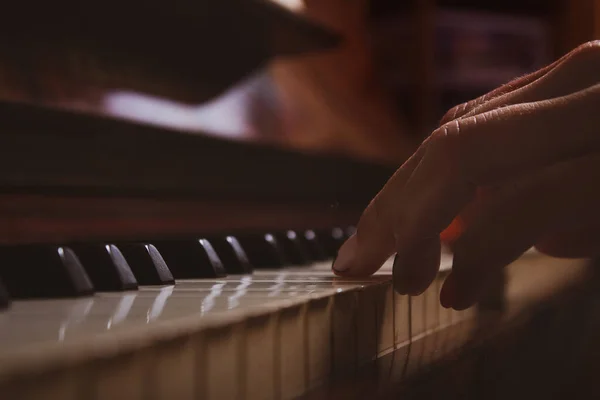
275,332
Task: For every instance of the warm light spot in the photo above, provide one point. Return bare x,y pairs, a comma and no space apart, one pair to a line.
225,116
232,114
295,5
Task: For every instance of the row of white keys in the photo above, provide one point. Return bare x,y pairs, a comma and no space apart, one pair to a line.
109,310
352,321
30,322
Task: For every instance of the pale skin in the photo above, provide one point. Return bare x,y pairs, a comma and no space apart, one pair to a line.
523,160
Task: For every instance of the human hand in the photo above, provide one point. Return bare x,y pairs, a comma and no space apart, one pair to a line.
523,162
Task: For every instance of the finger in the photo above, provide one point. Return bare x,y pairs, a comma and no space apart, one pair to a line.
578,56
577,72
561,195
574,243
414,281
467,214
373,235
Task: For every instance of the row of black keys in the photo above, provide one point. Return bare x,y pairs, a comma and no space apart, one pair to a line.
47,271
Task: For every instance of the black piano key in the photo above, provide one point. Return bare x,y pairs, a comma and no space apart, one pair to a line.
331,240
232,255
43,272
189,259
107,267
263,251
294,249
313,246
147,264
4,297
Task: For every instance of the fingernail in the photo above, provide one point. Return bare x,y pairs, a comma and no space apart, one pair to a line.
345,255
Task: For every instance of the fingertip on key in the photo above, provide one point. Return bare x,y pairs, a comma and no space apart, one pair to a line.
342,263
456,295
448,292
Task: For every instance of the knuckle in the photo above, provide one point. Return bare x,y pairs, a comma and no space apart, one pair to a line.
456,147
593,46
586,53
451,114
447,143
464,109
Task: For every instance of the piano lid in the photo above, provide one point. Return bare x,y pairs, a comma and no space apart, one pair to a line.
49,151
190,51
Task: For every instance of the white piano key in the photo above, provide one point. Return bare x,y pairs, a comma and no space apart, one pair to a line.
444,314
385,318
345,332
221,363
120,377
432,307
256,285
261,350
401,319
61,385
367,331
400,359
319,351
173,372
418,317
292,351
414,356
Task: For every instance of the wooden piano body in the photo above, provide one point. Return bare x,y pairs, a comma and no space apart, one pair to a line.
75,178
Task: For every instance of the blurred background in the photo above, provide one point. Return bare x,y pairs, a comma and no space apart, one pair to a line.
400,66
406,62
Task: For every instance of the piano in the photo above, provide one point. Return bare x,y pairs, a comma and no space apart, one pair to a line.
140,259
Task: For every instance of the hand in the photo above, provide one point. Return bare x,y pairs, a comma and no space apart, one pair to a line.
523,162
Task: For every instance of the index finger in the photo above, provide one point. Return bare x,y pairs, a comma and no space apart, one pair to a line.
374,231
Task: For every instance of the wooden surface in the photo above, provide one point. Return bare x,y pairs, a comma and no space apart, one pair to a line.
70,176
54,151
64,219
